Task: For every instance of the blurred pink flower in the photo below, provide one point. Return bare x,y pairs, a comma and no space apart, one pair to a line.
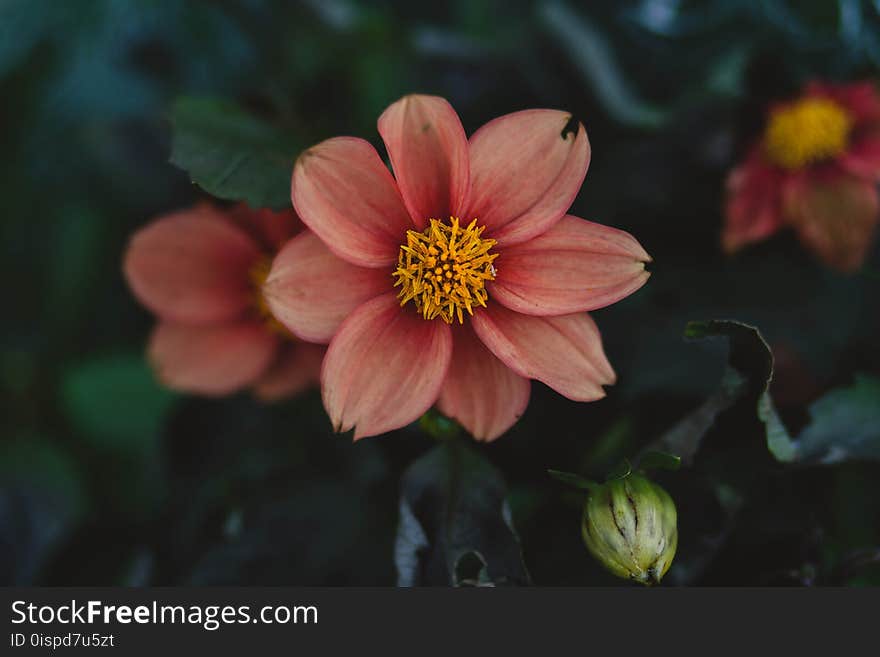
816,169
201,272
458,279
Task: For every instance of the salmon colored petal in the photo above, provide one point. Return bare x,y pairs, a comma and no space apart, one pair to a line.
192,266
297,367
480,392
271,228
577,265
860,99
429,154
564,352
526,170
754,204
211,360
836,219
311,291
384,367
862,158
342,190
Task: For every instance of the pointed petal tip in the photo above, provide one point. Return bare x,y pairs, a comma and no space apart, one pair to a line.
608,376
495,434
564,352
337,424
602,266
611,380
641,279
360,435
383,368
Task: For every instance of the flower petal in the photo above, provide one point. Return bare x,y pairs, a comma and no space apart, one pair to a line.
297,367
271,228
192,266
526,170
211,360
836,219
311,291
342,190
577,265
429,154
480,391
860,99
384,367
754,203
862,158
564,352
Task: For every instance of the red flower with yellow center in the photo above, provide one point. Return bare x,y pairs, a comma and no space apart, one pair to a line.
456,280
201,271
815,169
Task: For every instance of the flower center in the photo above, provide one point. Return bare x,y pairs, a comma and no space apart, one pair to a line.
258,274
807,131
444,269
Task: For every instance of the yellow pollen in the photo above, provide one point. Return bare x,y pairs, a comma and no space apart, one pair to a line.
443,270
258,274
807,131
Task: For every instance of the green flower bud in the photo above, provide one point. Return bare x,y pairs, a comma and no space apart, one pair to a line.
629,525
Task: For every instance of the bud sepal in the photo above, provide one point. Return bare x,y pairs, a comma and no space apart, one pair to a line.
629,525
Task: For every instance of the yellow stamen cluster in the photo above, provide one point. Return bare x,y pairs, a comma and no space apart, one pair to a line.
808,131
258,274
444,269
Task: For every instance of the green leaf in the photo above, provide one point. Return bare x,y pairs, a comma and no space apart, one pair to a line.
591,53
470,570
748,374
845,425
659,461
115,402
453,505
572,479
779,442
621,470
231,154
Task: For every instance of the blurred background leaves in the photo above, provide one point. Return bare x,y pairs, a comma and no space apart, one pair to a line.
107,479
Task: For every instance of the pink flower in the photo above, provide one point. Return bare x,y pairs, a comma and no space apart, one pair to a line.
201,272
458,279
815,169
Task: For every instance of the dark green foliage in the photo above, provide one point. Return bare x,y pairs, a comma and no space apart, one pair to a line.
232,155
453,517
